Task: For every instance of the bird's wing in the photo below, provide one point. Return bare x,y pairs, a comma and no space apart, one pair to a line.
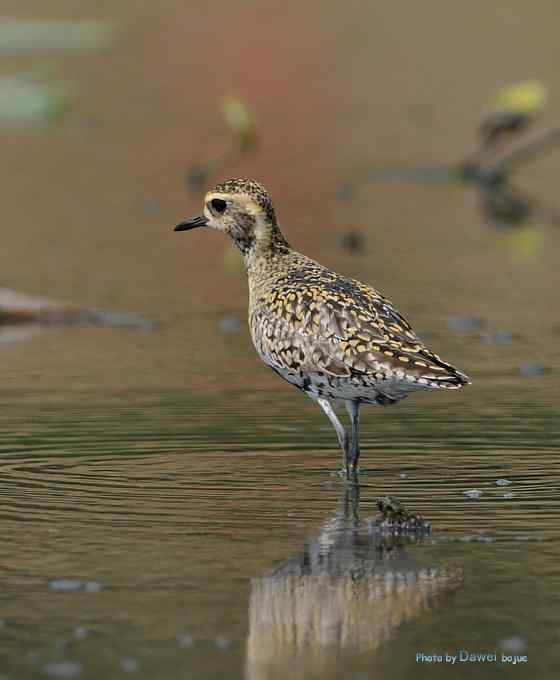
343,327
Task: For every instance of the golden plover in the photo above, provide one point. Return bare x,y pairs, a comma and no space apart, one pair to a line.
331,336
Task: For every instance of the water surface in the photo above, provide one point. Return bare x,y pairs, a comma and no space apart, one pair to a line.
161,529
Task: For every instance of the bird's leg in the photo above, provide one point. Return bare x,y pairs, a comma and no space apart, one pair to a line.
353,408
340,432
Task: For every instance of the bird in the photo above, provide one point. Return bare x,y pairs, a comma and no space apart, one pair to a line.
331,336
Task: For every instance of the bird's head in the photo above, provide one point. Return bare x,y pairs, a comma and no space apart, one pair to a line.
242,209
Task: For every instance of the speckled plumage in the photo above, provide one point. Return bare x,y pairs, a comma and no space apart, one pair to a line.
329,335
336,337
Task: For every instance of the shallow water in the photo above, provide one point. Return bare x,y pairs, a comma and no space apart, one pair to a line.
168,507
162,531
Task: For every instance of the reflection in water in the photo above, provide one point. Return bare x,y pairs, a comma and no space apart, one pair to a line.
348,591
142,519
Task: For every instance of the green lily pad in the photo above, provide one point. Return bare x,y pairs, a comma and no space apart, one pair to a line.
23,101
23,35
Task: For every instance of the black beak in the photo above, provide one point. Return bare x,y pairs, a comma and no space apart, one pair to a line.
193,223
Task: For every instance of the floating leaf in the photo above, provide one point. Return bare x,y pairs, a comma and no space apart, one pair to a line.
28,35
240,120
528,97
23,101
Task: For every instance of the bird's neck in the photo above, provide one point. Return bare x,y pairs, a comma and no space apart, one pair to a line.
267,245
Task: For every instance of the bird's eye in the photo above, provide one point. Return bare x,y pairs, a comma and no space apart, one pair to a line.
218,205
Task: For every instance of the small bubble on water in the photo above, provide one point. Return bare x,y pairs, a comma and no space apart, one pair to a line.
129,664
72,585
473,493
441,539
64,584
33,657
465,323
93,587
532,370
503,482
63,668
498,337
229,324
467,539
222,643
508,494
486,539
513,645
80,632
476,539
185,640
403,475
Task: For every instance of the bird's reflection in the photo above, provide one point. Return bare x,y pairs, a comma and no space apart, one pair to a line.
347,591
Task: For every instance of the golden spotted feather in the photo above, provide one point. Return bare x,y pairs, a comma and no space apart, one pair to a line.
336,337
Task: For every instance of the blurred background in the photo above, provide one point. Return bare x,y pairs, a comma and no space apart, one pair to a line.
92,191
131,437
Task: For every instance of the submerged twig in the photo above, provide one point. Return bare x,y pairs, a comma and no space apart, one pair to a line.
542,141
490,168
